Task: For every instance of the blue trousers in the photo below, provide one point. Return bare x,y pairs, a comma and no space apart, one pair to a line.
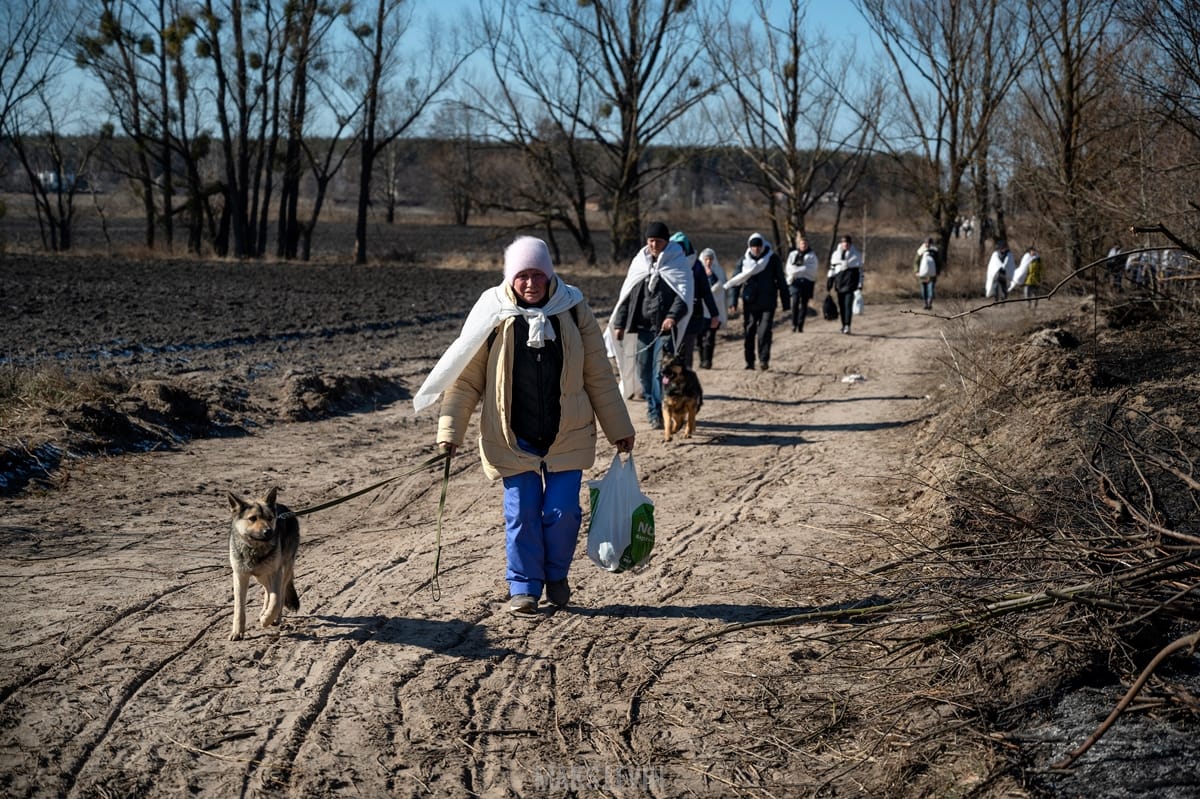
927,291
649,369
541,524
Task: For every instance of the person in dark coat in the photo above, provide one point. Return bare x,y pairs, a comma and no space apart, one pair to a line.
704,308
845,277
755,287
655,304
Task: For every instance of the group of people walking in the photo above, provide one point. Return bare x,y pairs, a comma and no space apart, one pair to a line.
1004,275
673,301
533,355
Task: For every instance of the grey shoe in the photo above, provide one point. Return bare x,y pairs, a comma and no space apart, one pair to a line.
558,592
523,604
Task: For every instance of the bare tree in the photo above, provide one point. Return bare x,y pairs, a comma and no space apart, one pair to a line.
537,105
395,93
122,47
36,34
1167,73
58,167
453,161
244,44
1071,105
32,32
954,64
634,75
307,26
793,117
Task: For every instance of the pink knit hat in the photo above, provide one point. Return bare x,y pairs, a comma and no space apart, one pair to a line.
526,252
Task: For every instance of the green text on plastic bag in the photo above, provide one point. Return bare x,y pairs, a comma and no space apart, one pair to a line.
642,539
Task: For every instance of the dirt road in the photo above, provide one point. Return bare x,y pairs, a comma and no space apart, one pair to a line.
118,678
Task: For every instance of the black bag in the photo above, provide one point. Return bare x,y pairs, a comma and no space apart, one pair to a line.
829,308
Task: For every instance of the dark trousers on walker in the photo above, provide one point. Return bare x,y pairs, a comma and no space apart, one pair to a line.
706,342
758,326
846,307
802,292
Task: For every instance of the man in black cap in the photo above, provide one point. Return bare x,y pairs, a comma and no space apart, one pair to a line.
655,303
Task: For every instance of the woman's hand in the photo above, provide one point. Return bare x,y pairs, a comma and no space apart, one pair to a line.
447,448
626,444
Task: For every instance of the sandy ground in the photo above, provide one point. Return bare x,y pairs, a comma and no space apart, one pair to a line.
117,677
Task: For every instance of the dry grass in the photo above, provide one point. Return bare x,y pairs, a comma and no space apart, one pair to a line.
26,391
1047,538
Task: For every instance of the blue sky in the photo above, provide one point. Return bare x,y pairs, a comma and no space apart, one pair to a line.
836,18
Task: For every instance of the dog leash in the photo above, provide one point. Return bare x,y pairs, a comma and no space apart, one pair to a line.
443,457
375,486
436,586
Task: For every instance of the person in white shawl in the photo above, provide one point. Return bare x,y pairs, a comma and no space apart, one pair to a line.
1028,275
1000,268
531,353
845,276
926,268
655,304
706,342
755,287
800,271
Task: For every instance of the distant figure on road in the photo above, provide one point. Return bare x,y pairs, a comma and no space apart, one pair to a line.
1116,267
926,268
1000,267
846,277
1029,275
714,273
759,279
801,274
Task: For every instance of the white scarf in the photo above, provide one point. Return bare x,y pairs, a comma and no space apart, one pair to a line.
718,290
673,266
493,307
751,266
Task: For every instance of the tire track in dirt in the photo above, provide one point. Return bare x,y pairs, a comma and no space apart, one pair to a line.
376,689
47,669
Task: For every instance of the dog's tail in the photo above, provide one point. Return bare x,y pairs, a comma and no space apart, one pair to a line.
291,600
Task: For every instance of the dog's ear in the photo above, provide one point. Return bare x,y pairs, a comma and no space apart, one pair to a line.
271,496
236,503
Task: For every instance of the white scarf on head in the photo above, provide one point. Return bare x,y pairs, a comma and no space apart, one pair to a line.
751,266
493,307
718,290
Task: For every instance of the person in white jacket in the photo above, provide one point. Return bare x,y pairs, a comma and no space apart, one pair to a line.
1000,267
800,271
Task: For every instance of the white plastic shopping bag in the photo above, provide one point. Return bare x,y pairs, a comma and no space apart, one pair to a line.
858,302
621,531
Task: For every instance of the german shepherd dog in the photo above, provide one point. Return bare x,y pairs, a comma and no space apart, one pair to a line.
682,397
263,546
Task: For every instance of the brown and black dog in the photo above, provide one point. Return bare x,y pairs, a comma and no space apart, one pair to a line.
682,397
262,545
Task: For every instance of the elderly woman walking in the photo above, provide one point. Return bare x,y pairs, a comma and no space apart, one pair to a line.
715,274
532,354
